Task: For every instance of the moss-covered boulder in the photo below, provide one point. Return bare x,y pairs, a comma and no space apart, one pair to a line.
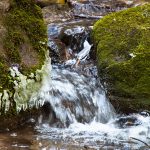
122,41
23,43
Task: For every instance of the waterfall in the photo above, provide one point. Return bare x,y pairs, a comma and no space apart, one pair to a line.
79,113
73,96
76,110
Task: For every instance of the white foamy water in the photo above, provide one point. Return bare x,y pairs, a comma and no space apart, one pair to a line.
80,102
74,97
98,135
83,54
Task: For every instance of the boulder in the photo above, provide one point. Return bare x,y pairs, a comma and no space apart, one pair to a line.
23,43
123,57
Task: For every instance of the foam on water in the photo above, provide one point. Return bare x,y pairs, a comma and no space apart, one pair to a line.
73,96
80,101
101,126
96,133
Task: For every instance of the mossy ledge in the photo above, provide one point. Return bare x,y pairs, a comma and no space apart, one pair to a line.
123,57
23,44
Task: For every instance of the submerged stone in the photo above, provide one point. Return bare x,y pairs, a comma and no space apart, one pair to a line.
123,55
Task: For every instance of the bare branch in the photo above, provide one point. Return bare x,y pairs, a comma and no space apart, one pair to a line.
140,141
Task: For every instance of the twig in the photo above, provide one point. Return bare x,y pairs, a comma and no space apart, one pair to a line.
87,16
141,141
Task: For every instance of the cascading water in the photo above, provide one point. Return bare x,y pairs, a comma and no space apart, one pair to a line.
80,114
75,97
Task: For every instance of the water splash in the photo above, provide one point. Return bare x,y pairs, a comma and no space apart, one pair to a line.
81,56
73,96
80,105
98,135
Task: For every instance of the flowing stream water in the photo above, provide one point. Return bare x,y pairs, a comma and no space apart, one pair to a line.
77,114
83,117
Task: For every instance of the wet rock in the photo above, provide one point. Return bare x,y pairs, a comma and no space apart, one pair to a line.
88,9
57,13
97,8
122,64
80,9
145,113
47,114
67,39
57,50
127,121
74,37
54,30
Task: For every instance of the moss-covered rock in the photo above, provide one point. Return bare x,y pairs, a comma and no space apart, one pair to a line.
23,42
123,56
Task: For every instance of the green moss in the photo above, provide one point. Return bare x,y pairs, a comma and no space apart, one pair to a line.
24,20
132,77
6,79
24,24
117,37
25,33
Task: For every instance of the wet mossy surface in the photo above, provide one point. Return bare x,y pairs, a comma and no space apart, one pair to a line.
24,28
24,44
123,55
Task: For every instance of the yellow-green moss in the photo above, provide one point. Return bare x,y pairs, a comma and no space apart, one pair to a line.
24,24
25,28
123,52
24,21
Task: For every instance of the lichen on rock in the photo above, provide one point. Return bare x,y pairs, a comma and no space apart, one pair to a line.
123,56
23,43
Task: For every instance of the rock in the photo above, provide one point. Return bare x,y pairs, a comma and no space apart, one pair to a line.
66,40
22,34
74,37
4,5
44,3
127,121
56,13
123,54
57,50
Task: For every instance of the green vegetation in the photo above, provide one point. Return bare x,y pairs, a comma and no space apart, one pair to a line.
23,44
24,28
123,53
